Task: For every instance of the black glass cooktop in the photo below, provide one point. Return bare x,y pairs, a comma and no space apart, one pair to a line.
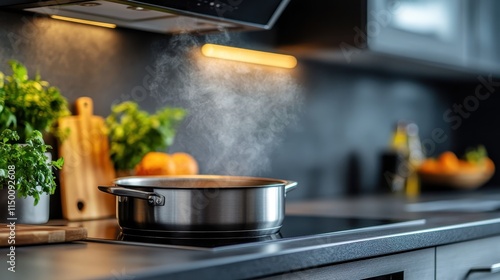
294,227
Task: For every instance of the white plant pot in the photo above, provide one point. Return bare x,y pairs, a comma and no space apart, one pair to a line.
25,212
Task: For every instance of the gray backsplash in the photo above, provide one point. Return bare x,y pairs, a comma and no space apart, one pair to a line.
327,133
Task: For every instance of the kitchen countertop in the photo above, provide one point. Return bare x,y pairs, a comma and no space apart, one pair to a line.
100,260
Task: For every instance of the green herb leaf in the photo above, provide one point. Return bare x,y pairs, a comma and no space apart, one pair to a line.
28,104
476,154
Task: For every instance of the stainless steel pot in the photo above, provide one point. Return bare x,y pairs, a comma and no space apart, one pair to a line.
201,206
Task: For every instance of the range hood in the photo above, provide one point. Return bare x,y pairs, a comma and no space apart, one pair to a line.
163,16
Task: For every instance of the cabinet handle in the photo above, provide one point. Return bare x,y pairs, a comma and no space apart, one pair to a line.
494,268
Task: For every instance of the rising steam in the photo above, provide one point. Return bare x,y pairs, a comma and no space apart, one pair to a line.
237,112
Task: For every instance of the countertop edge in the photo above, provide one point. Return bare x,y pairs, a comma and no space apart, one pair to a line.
326,250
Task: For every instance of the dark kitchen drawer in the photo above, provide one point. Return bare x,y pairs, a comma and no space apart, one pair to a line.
454,261
415,265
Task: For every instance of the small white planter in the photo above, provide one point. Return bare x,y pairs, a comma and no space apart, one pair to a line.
25,212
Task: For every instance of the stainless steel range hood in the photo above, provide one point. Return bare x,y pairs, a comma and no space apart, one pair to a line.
163,16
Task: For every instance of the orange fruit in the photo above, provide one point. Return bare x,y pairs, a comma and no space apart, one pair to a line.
489,164
156,163
429,166
468,167
484,166
448,162
185,164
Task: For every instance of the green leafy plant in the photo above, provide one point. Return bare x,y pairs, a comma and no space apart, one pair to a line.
25,166
134,132
28,104
476,155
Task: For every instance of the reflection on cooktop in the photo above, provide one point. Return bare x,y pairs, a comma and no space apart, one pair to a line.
293,227
196,242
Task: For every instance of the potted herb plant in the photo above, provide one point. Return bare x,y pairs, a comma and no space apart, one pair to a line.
28,108
27,177
134,132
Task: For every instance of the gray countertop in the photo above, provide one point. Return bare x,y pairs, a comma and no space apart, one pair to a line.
448,223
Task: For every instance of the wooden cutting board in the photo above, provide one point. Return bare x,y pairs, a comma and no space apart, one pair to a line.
31,234
86,165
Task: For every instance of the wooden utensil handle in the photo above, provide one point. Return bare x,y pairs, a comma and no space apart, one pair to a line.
84,106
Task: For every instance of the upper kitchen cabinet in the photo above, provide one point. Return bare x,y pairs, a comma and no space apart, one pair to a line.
459,33
484,41
451,37
433,30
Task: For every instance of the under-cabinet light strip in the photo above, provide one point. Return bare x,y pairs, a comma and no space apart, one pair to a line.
84,21
249,56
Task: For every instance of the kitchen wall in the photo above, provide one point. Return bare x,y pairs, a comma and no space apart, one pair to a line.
322,124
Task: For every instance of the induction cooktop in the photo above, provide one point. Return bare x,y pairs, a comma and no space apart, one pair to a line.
294,227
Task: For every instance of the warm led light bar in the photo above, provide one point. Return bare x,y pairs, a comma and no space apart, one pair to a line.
250,56
84,21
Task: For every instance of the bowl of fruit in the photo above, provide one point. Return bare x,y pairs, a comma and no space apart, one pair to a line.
447,170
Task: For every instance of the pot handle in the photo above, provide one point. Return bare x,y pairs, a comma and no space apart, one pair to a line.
153,198
290,186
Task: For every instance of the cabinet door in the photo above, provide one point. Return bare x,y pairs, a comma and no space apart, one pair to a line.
458,33
415,265
434,30
454,261
485,38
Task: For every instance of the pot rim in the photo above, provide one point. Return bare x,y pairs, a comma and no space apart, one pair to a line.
198,182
